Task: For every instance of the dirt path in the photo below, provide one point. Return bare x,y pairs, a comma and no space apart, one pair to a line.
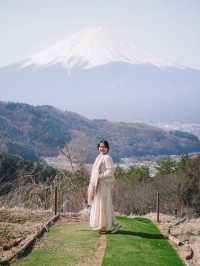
101,250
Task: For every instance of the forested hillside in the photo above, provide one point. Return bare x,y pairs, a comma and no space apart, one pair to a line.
33,132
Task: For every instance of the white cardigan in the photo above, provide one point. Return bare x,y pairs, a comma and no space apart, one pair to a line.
106,170
102,171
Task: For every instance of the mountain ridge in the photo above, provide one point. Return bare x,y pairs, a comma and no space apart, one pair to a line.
45,130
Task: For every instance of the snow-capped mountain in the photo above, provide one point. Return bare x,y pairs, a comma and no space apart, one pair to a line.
110,78
92,47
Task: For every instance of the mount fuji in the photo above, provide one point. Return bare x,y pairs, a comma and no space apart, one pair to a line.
89,48
99,74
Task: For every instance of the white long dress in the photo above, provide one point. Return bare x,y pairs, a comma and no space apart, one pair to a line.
102,177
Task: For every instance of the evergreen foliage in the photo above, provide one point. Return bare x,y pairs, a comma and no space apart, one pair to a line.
24,150
15,170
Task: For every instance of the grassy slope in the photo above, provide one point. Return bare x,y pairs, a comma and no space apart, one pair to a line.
64,244
139,243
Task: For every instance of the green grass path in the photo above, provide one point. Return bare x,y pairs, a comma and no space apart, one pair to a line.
73,243
66,243
139,244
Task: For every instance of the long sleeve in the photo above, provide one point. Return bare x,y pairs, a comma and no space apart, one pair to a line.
108,169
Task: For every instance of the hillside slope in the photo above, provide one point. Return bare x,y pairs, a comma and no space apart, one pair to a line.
44,130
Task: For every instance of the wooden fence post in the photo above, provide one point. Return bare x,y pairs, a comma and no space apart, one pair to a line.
46,199
55,200
158,207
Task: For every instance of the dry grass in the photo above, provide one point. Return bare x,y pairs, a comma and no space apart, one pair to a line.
21,215
16,226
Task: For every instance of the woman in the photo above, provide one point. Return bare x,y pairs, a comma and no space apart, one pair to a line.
99,191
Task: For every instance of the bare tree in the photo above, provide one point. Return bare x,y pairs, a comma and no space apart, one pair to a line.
68,154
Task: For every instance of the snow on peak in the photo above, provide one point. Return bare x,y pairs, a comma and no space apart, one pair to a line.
91,47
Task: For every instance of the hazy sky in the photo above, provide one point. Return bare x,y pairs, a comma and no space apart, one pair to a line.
169,29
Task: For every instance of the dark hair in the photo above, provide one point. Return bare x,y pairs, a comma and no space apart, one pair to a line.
104,142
